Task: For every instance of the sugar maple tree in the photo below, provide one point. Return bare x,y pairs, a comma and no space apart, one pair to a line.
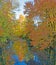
35,34
44,35
46,10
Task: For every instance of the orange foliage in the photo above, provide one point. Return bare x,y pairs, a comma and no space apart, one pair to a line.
39,35
1,31
43,34
42,8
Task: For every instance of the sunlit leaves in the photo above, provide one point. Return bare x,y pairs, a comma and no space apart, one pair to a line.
46,10
19,26
43,8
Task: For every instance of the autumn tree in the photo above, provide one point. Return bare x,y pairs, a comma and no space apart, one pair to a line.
5,28
19,26
20,39
46,14
45,34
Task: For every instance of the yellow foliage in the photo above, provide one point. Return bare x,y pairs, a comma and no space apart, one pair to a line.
19,27
20,48
21,18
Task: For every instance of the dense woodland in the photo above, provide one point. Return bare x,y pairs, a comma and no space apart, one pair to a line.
23,38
